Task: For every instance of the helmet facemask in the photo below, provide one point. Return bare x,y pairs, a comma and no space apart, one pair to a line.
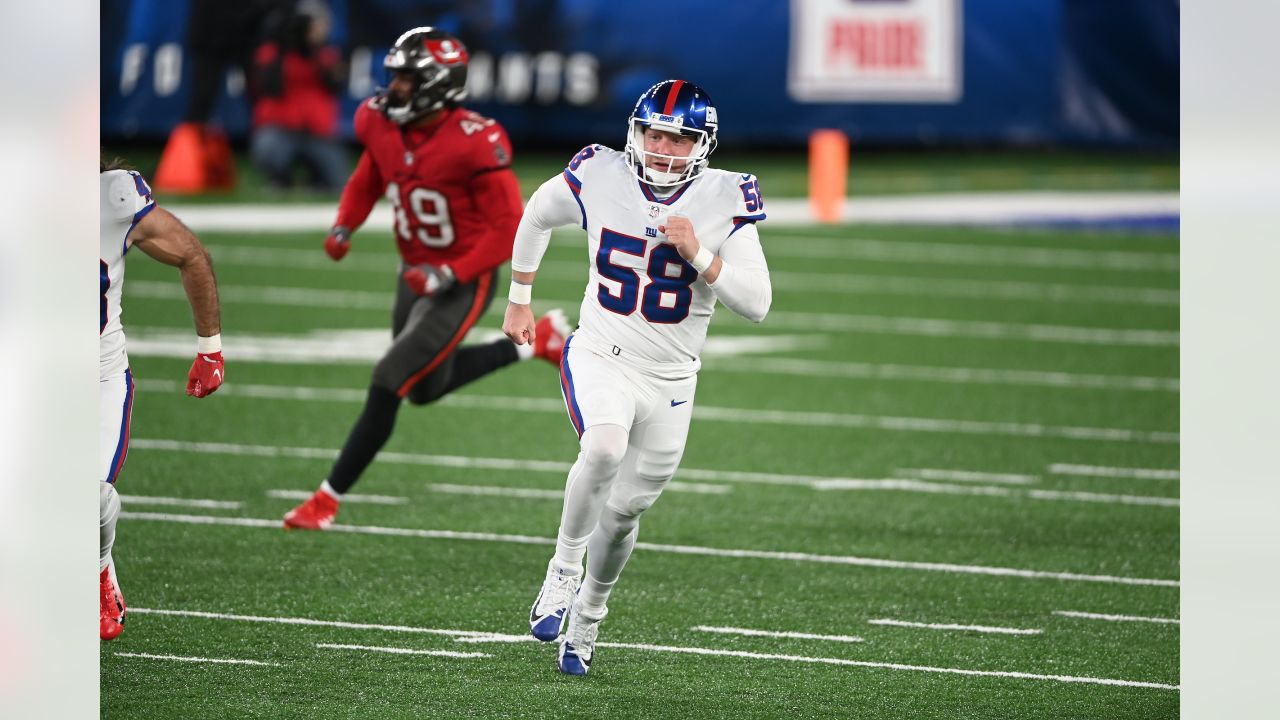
678,169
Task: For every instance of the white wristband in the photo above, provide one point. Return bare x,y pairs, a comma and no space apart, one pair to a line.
208,345
520,293
702,260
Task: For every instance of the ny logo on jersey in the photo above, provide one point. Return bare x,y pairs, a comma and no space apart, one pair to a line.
651,232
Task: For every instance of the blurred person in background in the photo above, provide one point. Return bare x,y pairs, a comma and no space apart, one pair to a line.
297,79
668,236
456,204
129,217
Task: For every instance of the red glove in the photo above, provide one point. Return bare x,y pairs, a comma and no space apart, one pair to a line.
429,280
206,374
338,242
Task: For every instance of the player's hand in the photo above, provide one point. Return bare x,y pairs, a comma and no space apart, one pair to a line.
429,280
679,232
338,242
206,374
518,324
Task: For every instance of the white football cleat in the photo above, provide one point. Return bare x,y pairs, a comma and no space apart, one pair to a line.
578,647
546,617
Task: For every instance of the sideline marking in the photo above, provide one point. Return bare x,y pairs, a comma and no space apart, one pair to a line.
1113,472
180,502
1116,618
405,651
776,634
952,626
275,524
225,661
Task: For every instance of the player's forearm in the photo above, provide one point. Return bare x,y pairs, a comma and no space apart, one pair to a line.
747,292
741,275
202,292
362,190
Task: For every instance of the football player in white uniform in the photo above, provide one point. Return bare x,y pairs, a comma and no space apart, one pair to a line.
129,218
666,237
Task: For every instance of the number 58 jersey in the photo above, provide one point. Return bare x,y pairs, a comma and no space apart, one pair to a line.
643,302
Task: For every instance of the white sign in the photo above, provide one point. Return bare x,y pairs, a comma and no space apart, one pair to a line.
875,51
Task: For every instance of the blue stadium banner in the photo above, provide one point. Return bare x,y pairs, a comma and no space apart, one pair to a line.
567,72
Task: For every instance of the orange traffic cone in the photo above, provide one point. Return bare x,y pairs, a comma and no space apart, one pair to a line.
182,164
828,174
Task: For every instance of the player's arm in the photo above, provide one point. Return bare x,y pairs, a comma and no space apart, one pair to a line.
164,237
362,190
741,275
553,205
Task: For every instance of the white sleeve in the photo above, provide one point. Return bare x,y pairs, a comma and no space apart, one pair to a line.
553,205
743,284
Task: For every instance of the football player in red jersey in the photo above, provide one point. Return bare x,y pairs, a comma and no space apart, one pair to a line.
447,172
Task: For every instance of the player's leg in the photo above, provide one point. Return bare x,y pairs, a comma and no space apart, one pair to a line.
600,400
116,403
426,331
656,445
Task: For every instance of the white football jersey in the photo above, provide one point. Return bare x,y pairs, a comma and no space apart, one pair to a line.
126,199
643,303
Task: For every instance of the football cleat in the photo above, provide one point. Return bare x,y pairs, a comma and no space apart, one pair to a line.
551,331
317,513
546,617
578,647
110,605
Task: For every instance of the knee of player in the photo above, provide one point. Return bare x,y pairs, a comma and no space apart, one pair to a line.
604,446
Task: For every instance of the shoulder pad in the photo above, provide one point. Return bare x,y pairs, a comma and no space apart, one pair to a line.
126,194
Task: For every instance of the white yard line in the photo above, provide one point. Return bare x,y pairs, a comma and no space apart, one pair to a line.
276,525
1113,472
179,502
994,491
368,345
952,626
219,661
478,636
939,253
516,492
777,320
966,476
348,498
723,414
829,282
888,666
929,208
404,651
776,634
1117,618
964,376
816,482
311,622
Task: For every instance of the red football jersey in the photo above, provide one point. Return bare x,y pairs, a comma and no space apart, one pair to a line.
455,199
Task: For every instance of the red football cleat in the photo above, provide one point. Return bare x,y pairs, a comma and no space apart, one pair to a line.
317,513
551,331
110,605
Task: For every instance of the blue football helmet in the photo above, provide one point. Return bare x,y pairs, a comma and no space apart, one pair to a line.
679,107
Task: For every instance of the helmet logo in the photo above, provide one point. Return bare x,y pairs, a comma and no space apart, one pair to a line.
446,51
666,119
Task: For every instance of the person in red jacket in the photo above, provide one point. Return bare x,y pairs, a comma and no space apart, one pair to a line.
456,202
297,77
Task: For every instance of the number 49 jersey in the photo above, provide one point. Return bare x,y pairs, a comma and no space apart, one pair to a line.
643,302
126,199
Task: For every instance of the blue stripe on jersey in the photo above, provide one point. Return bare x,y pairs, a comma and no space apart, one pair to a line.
566,387
742,220
648,194
136,218
122,443
576,186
